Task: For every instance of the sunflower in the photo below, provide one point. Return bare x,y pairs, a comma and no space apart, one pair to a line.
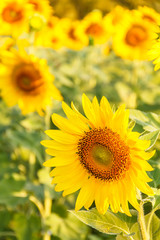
93,27
149,14
41,7
113,19
26,81
6,43
100,155
41,14
134,38
14,17
74,38
154,54
52,35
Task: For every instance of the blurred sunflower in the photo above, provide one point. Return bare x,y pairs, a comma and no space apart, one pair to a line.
42,12
74,38
6,43
42,7
14,17
134,37
93,26
114,18
52,35
26,81
154,54
149,14
100,155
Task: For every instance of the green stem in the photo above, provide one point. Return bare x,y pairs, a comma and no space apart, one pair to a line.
38,204
150,218
32,161
141,220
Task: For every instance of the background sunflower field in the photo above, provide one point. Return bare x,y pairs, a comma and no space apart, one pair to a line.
58,50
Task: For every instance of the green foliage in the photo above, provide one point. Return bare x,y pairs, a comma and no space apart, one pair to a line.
68,228
25,184
110,223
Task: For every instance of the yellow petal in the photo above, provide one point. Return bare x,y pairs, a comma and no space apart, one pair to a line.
65,125
61,137
75,187
86,191
65,169
58,161
62,153
74,117
58,146
88,110
142,154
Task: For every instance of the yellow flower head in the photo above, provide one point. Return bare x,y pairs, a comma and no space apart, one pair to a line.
52,35
93,26
113,19
6,43
149,14
26,81
74,38
42,12
100,155
134,38
14,17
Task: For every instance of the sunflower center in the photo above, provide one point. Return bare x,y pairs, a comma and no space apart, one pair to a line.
54,40
27,78
12,13
101,155
104,154
71,34
136,35
94,29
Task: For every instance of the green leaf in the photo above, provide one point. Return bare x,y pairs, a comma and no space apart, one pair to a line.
26,227
150,121
5,218
68,228
10,190
44,178
21,226
136,230
109,223
157,201
154,230
155,175
152,136
121,237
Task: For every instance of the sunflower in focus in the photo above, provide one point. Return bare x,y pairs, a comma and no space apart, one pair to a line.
134,38
98,155
26,81
94,27
14,17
